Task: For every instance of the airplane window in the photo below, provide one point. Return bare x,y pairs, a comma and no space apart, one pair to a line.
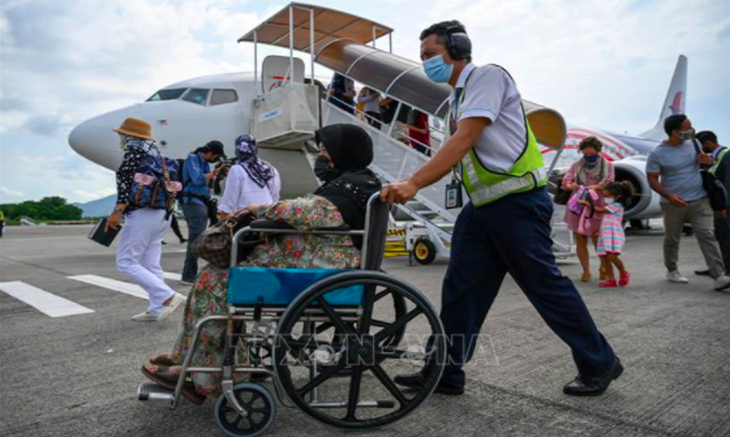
171,94
221,97
196,95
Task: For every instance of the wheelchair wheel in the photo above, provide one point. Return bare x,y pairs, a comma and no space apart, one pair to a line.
259,405
370,351
393,307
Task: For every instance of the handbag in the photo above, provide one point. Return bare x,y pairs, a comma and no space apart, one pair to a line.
214,245
561,196
715,190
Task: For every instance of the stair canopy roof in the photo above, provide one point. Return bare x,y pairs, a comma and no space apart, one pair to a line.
329,25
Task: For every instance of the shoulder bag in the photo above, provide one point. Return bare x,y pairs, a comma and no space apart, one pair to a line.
714,188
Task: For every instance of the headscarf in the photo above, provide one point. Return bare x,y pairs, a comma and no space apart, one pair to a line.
257,169
147,146
351,150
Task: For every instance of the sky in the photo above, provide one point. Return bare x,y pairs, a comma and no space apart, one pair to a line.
601,63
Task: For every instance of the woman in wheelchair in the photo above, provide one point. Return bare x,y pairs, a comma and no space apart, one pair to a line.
345,151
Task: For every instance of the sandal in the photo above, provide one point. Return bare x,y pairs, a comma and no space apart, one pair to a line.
165,379
608,284
162,360
624,279
585,277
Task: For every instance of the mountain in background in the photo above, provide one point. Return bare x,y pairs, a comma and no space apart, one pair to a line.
98,208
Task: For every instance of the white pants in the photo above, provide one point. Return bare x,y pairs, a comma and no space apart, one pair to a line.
140,252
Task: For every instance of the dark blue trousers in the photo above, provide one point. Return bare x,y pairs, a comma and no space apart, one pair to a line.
196,215
512,236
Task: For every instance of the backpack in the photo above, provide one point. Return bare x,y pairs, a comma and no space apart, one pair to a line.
156,183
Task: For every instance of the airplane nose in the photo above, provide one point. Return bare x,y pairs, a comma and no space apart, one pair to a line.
78,139
95,140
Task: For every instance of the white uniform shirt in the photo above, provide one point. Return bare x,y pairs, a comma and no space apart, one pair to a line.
241,191
492,94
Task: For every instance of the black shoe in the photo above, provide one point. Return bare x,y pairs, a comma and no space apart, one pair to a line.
164,242
705,272
417,381
581,386
183,240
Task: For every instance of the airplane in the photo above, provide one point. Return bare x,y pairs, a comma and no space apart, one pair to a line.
192,112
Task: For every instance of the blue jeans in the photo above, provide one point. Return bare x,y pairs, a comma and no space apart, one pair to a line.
512,235
196,216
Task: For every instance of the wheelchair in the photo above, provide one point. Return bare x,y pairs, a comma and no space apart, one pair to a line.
326,341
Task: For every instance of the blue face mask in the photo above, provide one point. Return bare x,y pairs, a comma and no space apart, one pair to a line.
437,70
591,159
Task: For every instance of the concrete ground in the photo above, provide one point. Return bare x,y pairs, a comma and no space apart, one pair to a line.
77,375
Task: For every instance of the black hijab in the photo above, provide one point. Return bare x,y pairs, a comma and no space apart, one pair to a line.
351,150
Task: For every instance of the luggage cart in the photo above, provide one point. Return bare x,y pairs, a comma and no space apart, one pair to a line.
331,340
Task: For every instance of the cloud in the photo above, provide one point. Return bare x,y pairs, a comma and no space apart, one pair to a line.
66,61
8,192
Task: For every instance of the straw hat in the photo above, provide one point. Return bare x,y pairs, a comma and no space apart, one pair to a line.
136,128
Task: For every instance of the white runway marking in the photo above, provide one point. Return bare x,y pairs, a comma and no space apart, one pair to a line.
112,284
172,276
43,301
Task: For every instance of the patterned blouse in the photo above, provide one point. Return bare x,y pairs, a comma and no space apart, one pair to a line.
136,151
306,251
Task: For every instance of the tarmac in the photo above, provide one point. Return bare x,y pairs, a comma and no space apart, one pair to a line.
77,375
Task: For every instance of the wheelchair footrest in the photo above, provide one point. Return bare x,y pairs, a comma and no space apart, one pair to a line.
361,404
149,391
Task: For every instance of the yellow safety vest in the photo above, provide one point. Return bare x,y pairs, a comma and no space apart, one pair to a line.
485,186
720,155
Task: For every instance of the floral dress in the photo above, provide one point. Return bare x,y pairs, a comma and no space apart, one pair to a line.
210,291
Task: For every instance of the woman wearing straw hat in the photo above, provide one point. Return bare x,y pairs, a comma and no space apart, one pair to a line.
140,244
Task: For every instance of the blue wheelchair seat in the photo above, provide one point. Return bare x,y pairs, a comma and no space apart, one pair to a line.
248,286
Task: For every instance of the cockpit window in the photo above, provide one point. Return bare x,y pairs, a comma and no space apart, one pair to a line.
221,97
171,94
196,95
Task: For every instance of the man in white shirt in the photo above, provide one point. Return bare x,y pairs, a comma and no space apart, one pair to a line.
505,228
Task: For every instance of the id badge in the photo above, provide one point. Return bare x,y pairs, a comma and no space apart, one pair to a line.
453,195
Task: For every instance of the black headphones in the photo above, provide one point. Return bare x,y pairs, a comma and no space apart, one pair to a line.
458,44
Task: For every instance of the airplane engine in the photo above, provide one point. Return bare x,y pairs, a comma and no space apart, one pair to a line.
644,204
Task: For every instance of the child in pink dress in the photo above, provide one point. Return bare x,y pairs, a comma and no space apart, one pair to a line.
611,236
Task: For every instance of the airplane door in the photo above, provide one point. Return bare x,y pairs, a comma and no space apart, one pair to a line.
275,72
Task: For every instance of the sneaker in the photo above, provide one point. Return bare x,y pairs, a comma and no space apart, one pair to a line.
705,272
624,279
721,283
146,317
177,299
608,284
676,277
